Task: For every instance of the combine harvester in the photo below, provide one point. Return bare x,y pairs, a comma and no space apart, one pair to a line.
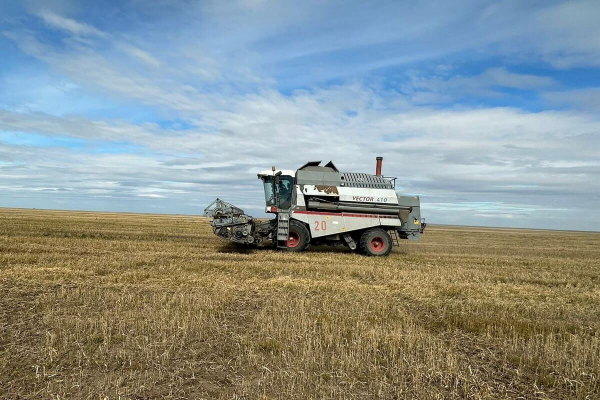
321,205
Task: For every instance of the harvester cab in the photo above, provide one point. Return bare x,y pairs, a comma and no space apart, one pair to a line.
321,205
279,189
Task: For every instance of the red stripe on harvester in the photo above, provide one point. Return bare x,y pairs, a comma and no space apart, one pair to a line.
343,214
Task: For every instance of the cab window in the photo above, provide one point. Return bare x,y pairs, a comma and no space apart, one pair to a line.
284,192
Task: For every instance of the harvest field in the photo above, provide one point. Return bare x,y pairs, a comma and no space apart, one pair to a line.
99,305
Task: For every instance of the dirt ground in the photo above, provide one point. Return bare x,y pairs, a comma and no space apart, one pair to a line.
125,306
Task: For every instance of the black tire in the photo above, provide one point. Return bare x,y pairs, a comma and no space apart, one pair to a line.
376,242
299,237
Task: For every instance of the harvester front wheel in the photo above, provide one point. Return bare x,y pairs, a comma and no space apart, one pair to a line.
376,242
299,237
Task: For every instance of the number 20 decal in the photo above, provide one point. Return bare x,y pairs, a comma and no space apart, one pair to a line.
320,225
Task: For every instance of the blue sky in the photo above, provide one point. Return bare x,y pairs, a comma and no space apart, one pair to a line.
490,111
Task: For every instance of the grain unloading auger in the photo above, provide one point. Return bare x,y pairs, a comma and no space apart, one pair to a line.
319,204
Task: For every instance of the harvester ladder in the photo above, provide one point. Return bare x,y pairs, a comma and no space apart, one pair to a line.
394,236
283,227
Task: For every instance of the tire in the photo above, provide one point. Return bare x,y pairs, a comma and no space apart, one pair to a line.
376,242
299,237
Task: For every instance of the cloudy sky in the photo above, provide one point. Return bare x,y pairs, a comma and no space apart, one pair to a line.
490,111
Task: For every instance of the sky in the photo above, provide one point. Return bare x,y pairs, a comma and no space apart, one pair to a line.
489,111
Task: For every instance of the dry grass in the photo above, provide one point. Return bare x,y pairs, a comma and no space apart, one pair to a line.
141,307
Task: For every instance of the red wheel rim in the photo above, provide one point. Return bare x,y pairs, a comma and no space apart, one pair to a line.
377,244
293,239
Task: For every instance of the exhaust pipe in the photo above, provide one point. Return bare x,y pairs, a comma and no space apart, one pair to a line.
378,166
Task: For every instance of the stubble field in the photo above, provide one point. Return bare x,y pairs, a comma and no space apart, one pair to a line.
123,306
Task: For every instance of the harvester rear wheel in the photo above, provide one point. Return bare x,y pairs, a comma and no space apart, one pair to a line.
376,242
299,237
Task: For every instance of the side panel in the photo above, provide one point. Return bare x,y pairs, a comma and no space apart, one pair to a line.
362,195
353,221
298,198
324,224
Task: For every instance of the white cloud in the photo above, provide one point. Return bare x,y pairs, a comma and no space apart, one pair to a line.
436,153
567,33
139,54
443,89
503,78
68,25
586,98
